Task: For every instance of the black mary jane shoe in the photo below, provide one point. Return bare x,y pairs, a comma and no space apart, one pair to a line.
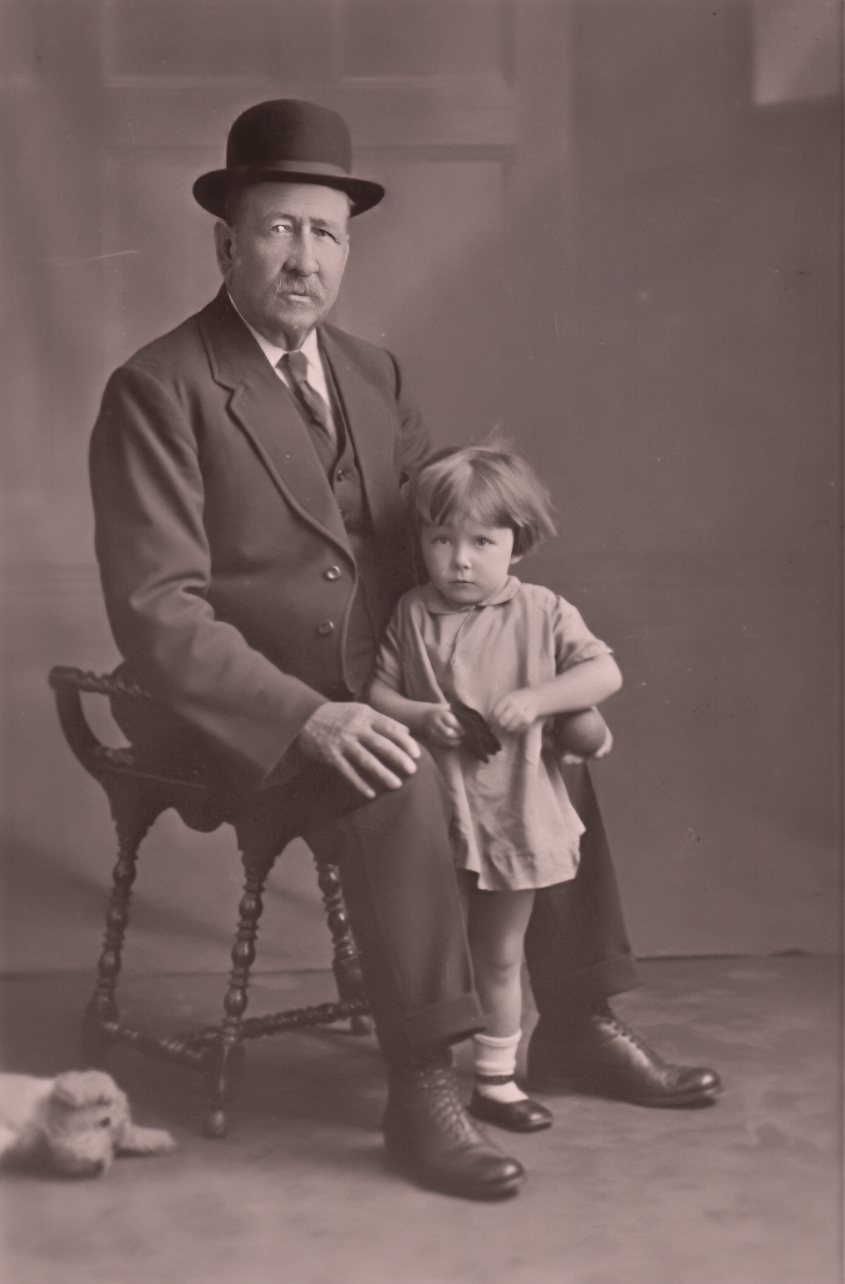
517,1116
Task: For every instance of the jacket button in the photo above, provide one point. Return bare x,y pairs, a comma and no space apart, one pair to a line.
340,475
331,573
325,628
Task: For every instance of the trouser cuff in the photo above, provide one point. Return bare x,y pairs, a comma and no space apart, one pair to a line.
433,1027
592,985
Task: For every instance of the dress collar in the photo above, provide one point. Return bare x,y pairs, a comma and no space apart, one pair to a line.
437,605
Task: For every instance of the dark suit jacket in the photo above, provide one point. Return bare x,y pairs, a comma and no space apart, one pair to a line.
217,531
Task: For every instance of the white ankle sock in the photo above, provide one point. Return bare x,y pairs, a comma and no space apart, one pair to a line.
497,1057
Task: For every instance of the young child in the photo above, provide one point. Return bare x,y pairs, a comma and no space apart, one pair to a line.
475,641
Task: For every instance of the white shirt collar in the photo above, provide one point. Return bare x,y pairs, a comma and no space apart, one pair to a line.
310,349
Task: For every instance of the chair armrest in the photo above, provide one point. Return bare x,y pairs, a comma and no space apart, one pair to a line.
68,685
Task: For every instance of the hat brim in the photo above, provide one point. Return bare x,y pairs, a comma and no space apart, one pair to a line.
212,190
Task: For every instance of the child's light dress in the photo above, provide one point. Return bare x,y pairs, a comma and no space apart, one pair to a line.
513,823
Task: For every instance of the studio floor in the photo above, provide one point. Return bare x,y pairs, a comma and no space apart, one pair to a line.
744,1192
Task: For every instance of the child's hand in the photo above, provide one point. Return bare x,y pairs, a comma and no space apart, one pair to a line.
516,711
439,725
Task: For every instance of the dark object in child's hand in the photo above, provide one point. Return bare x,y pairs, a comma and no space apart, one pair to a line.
478,738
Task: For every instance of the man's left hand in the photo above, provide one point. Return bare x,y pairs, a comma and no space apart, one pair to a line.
365,747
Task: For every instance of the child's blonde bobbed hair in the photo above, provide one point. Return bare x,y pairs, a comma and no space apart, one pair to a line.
489,484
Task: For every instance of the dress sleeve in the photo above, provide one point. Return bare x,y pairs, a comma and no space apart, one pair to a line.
388,667
574,642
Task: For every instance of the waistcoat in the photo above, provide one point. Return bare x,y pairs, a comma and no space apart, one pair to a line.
344,475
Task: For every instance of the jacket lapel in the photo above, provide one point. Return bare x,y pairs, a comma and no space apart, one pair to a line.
263,409
370,427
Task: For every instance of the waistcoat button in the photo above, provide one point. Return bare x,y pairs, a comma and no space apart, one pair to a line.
331,573
325,628
340,475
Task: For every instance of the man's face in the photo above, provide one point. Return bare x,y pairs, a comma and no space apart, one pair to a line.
283,259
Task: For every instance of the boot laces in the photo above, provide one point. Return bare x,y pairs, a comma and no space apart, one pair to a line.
447,1109
612,1021
437,1084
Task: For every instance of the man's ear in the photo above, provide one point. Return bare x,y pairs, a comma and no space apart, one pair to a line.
223,244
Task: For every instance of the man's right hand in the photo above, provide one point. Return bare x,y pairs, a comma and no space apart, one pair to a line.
365,747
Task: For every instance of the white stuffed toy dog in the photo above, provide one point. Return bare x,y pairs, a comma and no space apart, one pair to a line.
74,1124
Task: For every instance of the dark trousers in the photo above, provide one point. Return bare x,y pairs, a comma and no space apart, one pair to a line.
576,946
402,897
400,890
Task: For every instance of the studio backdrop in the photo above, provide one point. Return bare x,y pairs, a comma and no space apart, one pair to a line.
613,230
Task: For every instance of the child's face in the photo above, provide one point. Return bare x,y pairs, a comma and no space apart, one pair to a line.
467,562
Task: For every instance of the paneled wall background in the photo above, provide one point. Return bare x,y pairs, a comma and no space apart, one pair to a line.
613,228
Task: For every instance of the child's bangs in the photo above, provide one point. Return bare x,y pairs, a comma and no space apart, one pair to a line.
491,487
463,493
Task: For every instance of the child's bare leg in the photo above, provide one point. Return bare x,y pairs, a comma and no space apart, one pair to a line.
496,923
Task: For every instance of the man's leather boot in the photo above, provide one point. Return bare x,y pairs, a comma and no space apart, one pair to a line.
430,1137
591,1051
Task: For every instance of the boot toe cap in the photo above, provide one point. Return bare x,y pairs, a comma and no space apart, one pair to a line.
697,1081
494,1176
475,1173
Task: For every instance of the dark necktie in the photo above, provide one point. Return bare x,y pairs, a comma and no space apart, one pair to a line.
296,364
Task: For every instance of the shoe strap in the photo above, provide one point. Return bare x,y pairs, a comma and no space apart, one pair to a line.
495,1078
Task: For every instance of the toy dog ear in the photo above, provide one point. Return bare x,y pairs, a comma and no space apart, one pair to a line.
79,1088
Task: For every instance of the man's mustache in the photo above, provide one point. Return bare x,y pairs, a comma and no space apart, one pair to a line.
299,287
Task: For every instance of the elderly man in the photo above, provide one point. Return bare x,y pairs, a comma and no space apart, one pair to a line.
246,472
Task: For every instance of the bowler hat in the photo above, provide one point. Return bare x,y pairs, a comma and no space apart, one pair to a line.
287,141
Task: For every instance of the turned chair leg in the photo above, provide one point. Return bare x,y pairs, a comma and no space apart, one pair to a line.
133,816
345,960
224,1065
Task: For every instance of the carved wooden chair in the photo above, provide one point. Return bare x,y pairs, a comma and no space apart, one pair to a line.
138,792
